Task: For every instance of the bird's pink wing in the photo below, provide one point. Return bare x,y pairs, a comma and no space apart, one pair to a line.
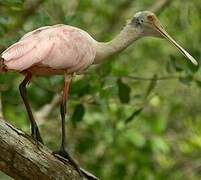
19,49
26,53
72,50
34,32
57,47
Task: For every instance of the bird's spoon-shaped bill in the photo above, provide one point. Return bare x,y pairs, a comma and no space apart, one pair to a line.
163,33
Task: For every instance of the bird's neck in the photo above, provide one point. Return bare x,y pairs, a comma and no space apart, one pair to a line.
119,43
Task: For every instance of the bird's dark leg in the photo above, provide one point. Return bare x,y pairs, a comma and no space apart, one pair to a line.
62,151
23,91
67,81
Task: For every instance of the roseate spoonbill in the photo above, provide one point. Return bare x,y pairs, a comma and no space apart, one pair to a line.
66,50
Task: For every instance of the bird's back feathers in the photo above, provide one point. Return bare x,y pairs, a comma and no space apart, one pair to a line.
57,47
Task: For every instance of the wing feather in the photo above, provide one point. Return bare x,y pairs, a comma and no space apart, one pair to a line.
57,47
19,49
28,57
34,32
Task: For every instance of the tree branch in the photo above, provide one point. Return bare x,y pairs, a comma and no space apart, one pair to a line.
42,114
22,158
137,78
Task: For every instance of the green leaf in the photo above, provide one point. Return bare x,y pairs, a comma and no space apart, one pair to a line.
159,144
159,125
198,82
133,115
123,91
12,2
151,85
78,113
135,137
105,69
172,66
81,87
186,79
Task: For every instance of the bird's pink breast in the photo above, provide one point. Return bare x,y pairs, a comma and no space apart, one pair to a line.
59,47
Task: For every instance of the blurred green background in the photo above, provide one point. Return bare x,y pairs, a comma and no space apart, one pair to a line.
138,115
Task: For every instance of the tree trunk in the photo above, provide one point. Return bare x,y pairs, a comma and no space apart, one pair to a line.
22,158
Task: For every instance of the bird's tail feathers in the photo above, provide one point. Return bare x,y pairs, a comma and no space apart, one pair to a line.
2,65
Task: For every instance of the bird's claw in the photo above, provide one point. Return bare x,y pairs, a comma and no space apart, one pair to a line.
36,135
64,156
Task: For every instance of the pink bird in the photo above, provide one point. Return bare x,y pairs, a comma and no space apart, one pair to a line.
67,50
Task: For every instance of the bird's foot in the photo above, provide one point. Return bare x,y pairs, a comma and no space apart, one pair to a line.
36,135
64,156
88,175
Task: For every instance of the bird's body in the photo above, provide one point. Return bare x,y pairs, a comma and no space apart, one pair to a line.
51,50
63,49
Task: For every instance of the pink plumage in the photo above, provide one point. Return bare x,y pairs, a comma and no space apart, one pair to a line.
51,50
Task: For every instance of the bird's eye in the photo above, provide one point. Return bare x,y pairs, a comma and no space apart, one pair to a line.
150,18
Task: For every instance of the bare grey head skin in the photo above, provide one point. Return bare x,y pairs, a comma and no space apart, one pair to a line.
146,23
143,24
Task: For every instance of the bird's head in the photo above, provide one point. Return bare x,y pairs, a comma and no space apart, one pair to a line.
146,23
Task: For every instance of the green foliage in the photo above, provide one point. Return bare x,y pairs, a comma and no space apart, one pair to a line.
78,113
151,86
133,115
123,91
136,116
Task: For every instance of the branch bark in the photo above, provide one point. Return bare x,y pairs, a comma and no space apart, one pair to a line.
22,158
